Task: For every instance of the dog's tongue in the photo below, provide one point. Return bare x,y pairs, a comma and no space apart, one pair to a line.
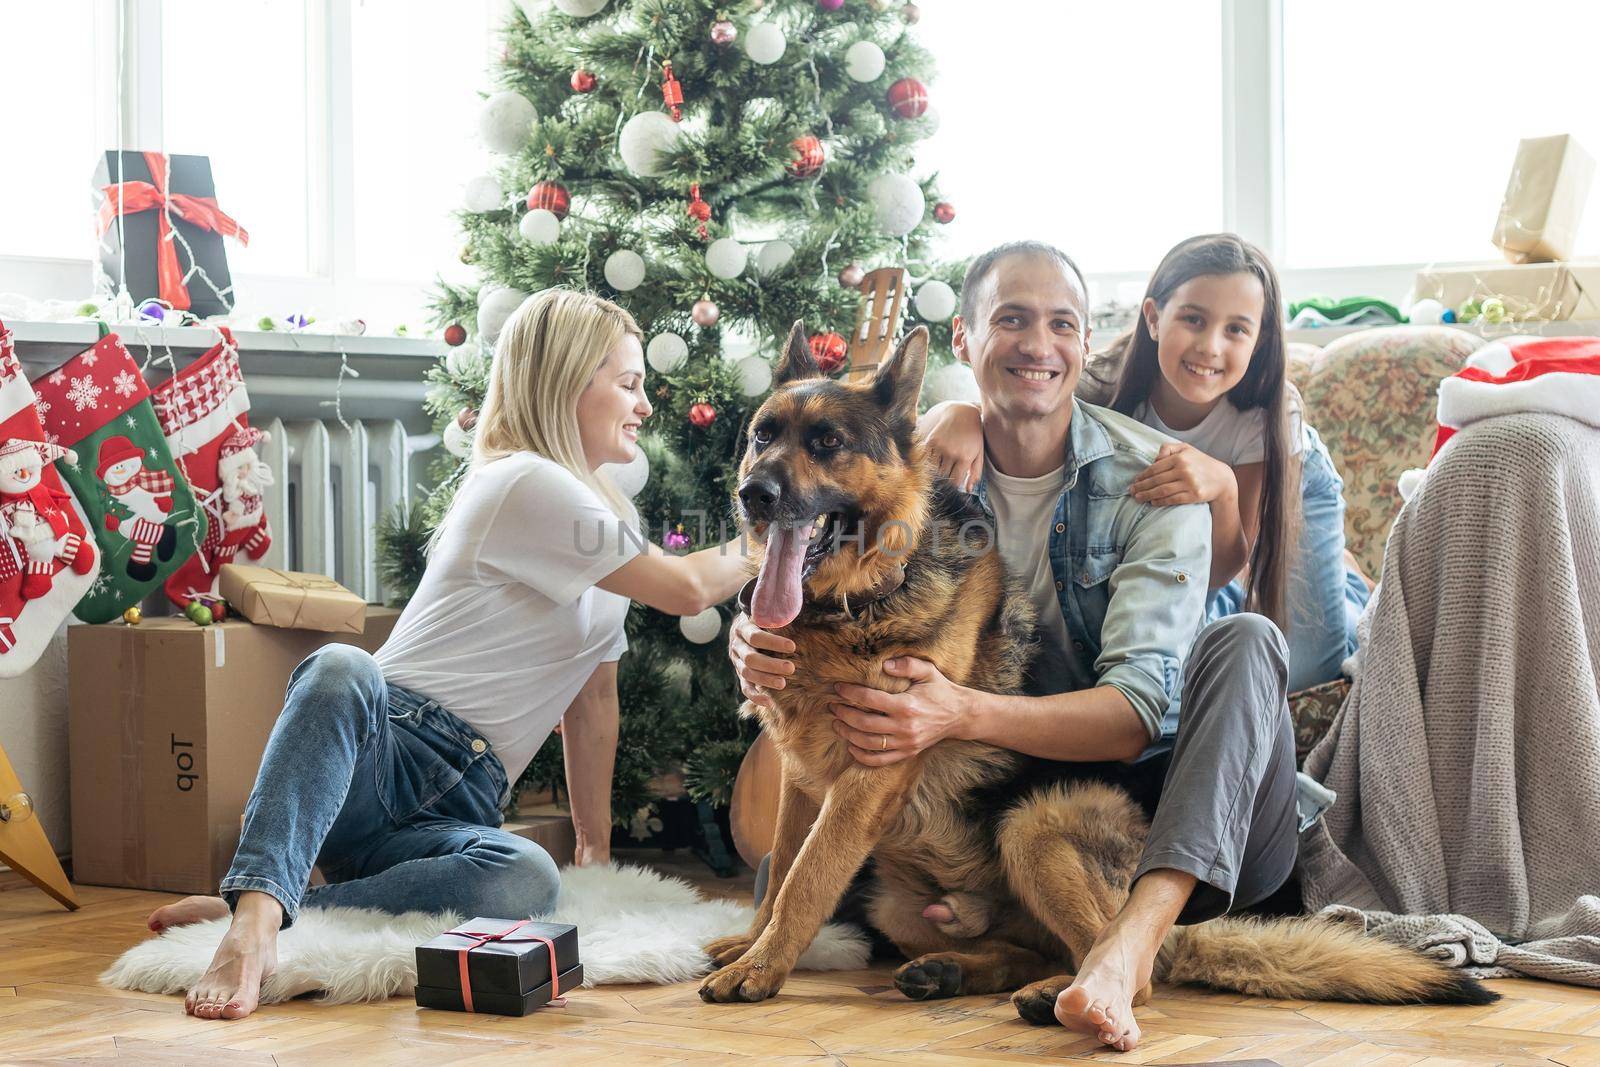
778,593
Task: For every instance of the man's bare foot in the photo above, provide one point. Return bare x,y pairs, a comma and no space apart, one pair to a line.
231,986
186,911
1100,1001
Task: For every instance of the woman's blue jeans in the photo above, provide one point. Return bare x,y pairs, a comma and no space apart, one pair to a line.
1325,597
397,800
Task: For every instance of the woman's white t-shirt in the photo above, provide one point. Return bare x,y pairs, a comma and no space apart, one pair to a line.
1235,437
507,624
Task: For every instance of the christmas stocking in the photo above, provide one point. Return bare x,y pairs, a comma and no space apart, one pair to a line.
203,410
47,559
139,505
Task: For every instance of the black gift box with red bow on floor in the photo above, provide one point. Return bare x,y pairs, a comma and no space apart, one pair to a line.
159,219
499,966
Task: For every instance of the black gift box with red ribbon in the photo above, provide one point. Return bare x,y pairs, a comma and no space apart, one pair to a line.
146,202
498,966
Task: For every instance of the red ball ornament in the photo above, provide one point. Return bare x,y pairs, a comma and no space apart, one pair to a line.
830,5
908,98
702,414
723,33
944,212
705,314
552,197
583,81
828,350
455,334
852,276
809,157
911,13
219,611
467,418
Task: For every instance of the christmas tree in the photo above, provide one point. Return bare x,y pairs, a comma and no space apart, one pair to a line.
720,170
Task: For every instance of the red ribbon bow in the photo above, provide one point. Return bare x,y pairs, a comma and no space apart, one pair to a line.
127,198
482,939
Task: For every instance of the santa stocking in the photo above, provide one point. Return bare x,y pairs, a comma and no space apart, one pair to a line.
203,411
139,505
47,560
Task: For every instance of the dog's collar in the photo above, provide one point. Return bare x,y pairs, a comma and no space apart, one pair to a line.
847,611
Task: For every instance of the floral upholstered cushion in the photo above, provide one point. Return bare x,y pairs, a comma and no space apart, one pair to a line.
1313,711
1304,359
1372,395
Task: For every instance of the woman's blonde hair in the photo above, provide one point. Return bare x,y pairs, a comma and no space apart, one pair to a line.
547,354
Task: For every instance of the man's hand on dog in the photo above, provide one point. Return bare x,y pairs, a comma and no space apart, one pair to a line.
758,672
884,728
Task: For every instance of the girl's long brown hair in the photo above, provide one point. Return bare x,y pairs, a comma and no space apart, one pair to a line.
1264,386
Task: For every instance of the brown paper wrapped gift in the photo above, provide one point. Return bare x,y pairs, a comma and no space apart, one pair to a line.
1544,200
1533,292
292,601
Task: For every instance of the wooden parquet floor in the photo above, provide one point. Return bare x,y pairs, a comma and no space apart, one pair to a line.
52,1010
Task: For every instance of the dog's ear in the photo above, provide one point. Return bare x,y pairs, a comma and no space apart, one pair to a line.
795,362
898,382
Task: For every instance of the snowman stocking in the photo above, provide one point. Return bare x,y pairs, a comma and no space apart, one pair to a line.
139,505
203,411
47,559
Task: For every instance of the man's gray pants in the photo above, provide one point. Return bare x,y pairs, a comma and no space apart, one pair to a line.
1225,807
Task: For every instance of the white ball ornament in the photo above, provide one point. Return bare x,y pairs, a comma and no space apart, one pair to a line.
494,308
580,9
897,202
765,43
644,139
457,442
505,123
703,628
935,301
666,352
726,258
864,61
1425,312
483,193
755,375
774,256
952,382
630,477
624,270
540,227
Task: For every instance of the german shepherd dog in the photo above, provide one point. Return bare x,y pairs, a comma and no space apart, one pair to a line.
864,555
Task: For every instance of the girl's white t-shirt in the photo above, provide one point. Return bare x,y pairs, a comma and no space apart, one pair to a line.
507,624
1235,437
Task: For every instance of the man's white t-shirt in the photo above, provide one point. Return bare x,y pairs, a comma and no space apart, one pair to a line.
1023,510
1235,437
507,624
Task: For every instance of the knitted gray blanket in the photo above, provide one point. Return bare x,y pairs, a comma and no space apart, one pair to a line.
1467,756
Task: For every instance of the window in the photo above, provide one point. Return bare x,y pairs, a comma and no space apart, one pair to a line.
1078,124
418,68
50,91
233,88
1401,121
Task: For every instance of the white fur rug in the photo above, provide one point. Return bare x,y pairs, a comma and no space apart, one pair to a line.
634,925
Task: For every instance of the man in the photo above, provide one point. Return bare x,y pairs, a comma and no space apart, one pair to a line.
1120,587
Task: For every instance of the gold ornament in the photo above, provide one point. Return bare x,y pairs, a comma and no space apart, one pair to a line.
133,616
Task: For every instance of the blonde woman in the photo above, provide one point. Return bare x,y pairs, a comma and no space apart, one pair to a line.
389,771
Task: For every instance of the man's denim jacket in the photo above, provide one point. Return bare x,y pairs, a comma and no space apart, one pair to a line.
1131,577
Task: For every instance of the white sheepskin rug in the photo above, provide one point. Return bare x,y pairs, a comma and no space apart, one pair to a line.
634,925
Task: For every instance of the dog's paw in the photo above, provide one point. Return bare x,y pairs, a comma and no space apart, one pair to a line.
935,975
744,980
1036,1002
726,950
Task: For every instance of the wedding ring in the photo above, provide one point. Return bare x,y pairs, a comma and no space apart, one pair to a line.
883,745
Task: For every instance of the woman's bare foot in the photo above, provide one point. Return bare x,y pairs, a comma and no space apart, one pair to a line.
1115,975
231,986
186,911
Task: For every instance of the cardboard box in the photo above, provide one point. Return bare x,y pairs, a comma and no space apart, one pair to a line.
1533,292
549,828
1544,200
291,600
166,726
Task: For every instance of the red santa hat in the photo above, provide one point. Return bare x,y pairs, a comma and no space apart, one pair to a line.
46,451
240,439
113,451
1559,375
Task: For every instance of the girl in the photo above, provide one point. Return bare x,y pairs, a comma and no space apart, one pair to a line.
390,771
1206,365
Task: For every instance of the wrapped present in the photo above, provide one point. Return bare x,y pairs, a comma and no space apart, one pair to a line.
291,600
500,966
1544,200
161,226
1533,292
